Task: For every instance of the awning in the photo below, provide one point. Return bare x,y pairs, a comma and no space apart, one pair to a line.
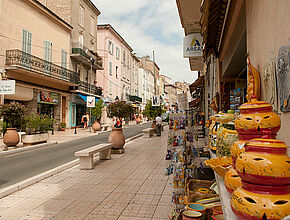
84,97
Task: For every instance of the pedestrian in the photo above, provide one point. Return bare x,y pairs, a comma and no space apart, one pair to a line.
158,125
85,120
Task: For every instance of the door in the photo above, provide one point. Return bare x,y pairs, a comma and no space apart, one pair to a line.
73,115
63,108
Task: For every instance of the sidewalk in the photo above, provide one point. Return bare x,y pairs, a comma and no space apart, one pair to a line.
131,186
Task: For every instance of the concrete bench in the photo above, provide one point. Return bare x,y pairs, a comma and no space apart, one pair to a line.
148,132
105,127
86,156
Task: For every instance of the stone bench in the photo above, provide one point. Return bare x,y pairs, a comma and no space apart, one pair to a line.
148,132
105,127
86,156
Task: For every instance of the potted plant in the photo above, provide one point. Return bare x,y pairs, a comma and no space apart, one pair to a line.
118,110
97,114
62,126
13,115
36,128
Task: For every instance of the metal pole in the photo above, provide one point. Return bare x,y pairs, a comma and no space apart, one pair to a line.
90,123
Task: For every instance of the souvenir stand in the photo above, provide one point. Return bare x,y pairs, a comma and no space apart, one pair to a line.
252,167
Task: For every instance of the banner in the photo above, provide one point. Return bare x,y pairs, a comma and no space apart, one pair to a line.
193,45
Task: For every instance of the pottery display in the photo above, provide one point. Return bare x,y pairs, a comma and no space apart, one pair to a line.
220,165
237,149
196,207
256,117
96,126
265,162
253,202
232,180
11,137
189,215
117,138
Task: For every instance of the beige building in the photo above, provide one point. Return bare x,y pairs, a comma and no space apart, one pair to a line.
82,15
34,43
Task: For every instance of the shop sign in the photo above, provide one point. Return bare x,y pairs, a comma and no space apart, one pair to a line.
91,101
182,102
48,97
7,87
193,45
155,100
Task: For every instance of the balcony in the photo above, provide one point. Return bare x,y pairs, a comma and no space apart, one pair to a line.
134,98
84,55
85,87
28,68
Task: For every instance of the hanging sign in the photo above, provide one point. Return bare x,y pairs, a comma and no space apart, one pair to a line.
155,100
48,97
193,45
91,101
182,102
7,87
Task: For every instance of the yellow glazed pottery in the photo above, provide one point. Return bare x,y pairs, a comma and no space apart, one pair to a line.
265,162
237,148
223,118
232,180
256,117
220,165
252,202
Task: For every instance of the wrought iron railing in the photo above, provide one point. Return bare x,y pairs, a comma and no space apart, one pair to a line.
85,87
18,58
78,48
134,98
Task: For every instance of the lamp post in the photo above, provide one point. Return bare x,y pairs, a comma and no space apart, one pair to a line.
92,61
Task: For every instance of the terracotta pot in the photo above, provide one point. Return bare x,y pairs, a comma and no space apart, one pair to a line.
138,120
117,138
265,162
253,202
96,126
11,137
232,180
256,117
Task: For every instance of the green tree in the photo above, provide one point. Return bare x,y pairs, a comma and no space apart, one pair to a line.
119,109
151,112
98,109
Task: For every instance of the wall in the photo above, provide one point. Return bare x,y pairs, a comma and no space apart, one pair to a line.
268,28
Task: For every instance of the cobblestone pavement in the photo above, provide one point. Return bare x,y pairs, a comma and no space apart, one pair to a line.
131,186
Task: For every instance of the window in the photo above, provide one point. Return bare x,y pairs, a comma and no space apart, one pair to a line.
110,68
81,40
117,72
117,53
110,47
47,56
92,29
124,57
82,15
26,48
63,59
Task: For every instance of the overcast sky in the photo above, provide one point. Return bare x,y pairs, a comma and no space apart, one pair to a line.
149,25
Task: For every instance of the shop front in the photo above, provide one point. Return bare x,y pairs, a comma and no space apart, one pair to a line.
47,103
77,110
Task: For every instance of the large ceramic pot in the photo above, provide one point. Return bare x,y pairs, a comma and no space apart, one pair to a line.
255,118
232,180
265,162
138,120
256,202
11,137
96,126
117,138
236,149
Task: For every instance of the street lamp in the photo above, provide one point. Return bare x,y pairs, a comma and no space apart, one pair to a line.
92,62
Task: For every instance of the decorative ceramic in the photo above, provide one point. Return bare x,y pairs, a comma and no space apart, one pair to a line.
236,149
220,165
265,162
223,118
253,88
96,126
256,202
196,207
11,137
189,215
117,138
255,118
232,180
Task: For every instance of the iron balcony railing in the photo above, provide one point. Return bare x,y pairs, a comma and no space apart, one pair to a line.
134,98
85,87
18,58
78,48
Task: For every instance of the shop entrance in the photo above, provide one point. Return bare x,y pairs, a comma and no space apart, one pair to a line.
45,109
80,111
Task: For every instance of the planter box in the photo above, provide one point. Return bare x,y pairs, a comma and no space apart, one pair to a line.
31,139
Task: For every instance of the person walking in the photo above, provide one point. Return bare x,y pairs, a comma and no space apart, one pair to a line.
85,120
158,125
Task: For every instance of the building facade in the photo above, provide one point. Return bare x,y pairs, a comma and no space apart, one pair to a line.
35,44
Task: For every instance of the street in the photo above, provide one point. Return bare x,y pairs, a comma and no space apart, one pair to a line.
21,166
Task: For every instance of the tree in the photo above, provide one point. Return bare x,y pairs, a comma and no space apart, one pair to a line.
152,111
98,109
119,109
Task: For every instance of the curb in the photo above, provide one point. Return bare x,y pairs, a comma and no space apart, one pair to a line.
32,180
23,149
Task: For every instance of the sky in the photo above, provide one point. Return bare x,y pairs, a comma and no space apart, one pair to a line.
147,26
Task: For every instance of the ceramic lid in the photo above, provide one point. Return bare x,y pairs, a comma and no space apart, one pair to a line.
190,213
255,104
265,142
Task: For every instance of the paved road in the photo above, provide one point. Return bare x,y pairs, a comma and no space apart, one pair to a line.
21,166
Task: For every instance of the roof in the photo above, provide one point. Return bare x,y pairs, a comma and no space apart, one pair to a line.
93,7
109,27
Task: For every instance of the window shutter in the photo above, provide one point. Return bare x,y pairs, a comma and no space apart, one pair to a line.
112,49
29,36
24,34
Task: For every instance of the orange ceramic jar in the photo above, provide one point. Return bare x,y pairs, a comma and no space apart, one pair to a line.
256,202
232,180
236,149
255,118
265,162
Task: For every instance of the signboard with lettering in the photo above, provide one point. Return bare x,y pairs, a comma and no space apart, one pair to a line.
48,97
7,87
155,100
91,101
193,45
182,102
